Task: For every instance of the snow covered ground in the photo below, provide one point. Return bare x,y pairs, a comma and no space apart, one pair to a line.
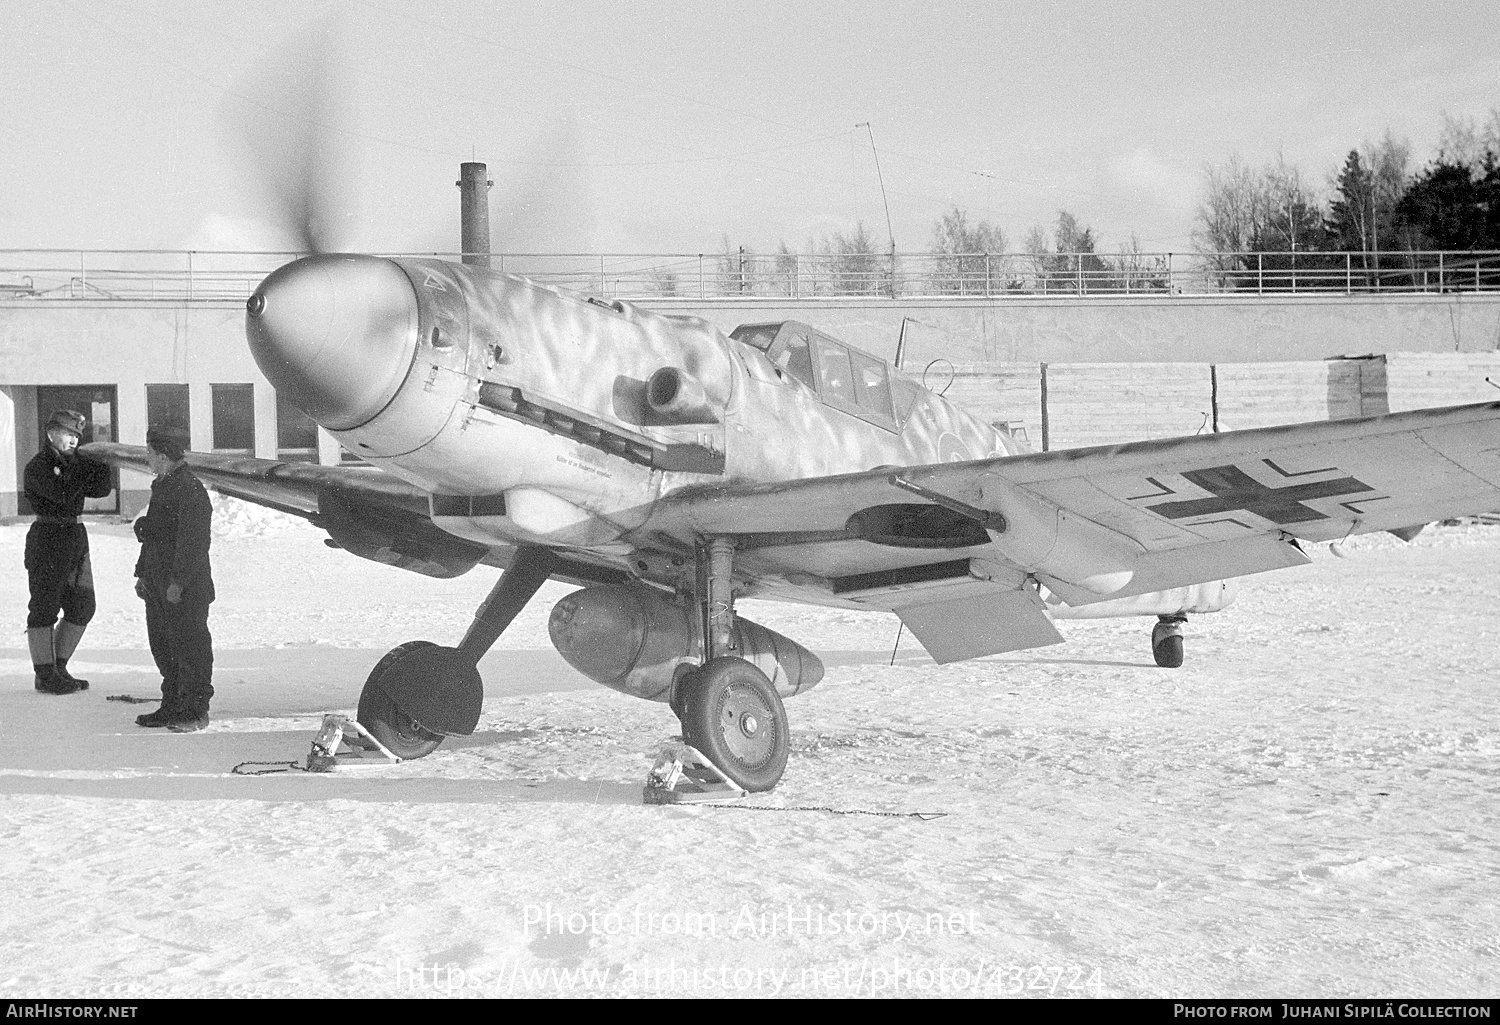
1307,808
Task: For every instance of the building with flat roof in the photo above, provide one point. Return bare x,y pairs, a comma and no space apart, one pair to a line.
130,339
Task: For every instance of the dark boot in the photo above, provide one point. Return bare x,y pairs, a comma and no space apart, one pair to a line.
188,722
62,670
50,681
65,640
161,717
168,712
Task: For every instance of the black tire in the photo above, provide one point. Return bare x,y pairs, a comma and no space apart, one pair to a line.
732,714
1166,641
399,732
1168,652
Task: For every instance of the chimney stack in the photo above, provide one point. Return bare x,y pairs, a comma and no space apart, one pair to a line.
474,213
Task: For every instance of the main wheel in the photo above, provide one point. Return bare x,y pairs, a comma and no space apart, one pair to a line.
732,714
399,732
1166,642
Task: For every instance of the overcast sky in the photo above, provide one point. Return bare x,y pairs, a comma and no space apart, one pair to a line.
662,127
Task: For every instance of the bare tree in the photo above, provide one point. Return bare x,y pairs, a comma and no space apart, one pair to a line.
740,270
1245,209
1292,215
1136,271
1076,265
783,271
963,250
1038,249
853,261
1460,142
1227,217
663,281
1389,161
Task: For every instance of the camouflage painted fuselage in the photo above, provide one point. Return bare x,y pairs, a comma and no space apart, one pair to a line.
525,413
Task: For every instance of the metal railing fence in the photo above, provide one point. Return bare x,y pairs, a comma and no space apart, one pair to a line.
217,277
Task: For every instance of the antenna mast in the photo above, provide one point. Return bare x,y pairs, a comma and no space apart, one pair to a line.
881,179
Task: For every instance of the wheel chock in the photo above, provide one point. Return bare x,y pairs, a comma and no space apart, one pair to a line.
682,775
361,750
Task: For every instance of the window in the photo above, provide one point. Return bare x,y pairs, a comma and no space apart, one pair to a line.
871,385
835,379
234,418
168,404
296,433
759,336
847,379
796,360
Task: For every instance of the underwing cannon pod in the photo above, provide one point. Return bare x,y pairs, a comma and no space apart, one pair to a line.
1213,596
636,640
1046,539
678,398
395,537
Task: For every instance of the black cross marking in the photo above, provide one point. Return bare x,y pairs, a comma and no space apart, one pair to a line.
1234,489
1162,489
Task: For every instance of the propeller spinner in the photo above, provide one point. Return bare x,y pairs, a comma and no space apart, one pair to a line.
335,334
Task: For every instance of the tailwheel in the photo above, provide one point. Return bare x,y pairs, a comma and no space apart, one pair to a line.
732,714
1166,641
404,736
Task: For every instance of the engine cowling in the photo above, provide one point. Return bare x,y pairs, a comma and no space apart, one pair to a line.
637,640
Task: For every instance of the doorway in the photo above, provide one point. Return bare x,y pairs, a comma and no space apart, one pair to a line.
98,402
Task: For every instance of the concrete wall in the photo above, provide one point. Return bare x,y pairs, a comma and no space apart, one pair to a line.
1008,394
1416,380
1208,329
1102,404
1242,361
55,338
1264,394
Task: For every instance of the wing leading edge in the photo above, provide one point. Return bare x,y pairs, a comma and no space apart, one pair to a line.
366,511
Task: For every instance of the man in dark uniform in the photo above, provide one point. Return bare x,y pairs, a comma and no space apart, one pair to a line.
58,479
174,579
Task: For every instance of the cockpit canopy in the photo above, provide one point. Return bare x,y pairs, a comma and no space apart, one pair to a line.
842,376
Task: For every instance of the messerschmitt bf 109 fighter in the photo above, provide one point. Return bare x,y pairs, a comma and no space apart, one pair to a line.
670,469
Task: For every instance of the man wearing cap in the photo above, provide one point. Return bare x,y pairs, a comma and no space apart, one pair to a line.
174,579
57,480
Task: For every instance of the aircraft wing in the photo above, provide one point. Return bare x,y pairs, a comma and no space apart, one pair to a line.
289,487
366,511
1149,515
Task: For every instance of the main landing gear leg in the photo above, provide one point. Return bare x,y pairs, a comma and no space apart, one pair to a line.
421,692
528,570
1166,640
729,710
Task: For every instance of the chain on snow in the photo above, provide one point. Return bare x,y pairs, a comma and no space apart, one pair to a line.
280,767
924,816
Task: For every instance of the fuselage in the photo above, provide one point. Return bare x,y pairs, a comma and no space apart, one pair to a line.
492,392
533,416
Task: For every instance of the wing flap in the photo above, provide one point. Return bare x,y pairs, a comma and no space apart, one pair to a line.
977,624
